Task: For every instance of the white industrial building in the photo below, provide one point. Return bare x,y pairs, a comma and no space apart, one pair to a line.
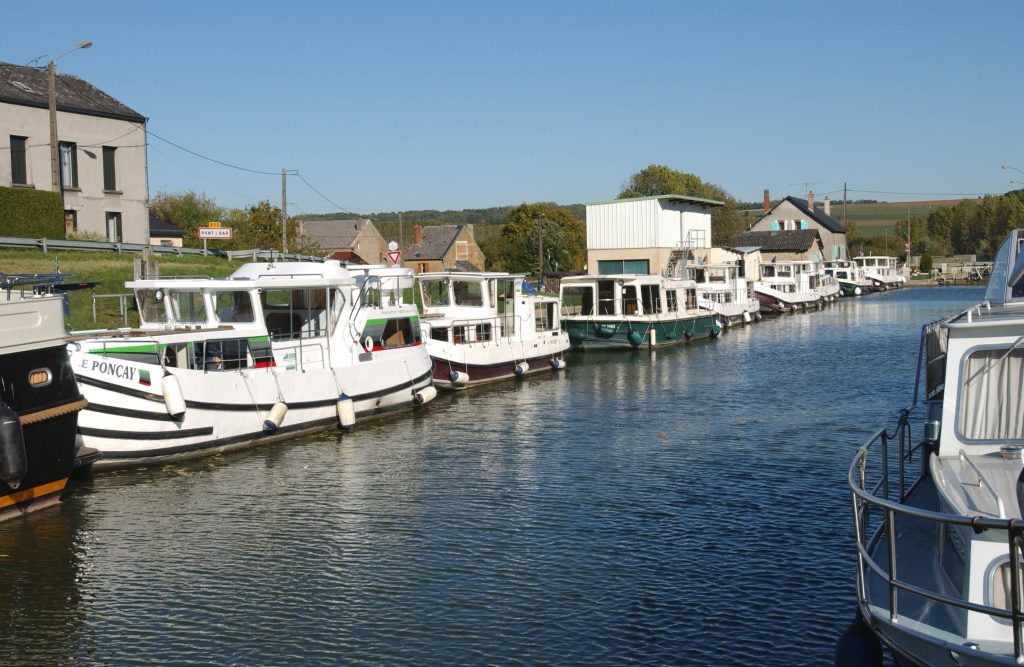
101,156
638,235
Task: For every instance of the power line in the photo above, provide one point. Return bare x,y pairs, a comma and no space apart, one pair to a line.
341,208
210,159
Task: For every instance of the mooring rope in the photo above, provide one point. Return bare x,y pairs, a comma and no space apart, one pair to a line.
52,413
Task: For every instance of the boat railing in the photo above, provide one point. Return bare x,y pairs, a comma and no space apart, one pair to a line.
879,497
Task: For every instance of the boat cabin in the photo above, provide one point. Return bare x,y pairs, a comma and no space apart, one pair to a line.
479,306
626,295
291,314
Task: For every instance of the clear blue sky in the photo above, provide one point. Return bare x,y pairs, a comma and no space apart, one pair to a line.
386,106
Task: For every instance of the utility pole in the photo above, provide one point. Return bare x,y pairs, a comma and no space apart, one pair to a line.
540,251
51,84
401,238
844,204
284,211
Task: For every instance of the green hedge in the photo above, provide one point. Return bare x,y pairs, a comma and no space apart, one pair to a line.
31,213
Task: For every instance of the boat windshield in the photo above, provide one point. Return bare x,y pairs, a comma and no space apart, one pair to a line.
151,306
233,306
996,292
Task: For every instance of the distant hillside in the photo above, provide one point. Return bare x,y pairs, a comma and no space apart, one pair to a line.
487,222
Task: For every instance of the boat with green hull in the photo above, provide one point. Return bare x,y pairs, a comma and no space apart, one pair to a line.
632,311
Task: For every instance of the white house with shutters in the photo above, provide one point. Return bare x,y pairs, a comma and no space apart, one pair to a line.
102,173
793,213
638,235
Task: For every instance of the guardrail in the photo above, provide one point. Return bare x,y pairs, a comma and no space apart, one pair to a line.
46,245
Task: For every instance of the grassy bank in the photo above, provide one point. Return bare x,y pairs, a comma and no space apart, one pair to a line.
111,271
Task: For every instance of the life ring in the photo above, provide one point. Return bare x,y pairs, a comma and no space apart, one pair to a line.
368,343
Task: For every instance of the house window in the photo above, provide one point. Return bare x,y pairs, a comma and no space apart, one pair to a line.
68,165
114,227
109,172
19,160
461,250
422,267
70,221
628,266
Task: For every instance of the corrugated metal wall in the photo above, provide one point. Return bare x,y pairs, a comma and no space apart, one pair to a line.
649,223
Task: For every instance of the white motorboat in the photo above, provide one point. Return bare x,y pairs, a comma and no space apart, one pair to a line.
626,311
274,349
939,550
723,289
785,286
881,271
481,327
849,277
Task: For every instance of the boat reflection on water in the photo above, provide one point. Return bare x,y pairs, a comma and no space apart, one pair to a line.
40,569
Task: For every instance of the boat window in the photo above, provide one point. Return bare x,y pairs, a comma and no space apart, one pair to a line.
439,333
434,292
671,300
188,306
785,271
651,298
337,305
295,313
605,297
234,306
699,275
468,293
991,405
483,332
691,299
768,271
392,333
504,295
545,316
630,302
577,300
717,275
1000,596
222,355
151,305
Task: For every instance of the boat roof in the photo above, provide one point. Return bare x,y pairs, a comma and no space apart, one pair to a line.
259,274
468,275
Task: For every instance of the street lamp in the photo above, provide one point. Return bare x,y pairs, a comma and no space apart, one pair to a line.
51,80
1003,166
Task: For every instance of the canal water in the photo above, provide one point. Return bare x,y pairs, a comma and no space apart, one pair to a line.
686,507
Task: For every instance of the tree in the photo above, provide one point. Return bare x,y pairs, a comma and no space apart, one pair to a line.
259,226
926,263
563,237
188,211
656,179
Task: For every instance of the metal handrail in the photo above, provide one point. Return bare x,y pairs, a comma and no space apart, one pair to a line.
864,500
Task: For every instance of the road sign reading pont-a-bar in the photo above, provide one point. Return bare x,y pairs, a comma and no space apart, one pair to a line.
215,232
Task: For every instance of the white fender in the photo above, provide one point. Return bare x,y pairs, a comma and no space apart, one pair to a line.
174,399
746,317
425,395
558,364
346,413
521,369
274,419
458,378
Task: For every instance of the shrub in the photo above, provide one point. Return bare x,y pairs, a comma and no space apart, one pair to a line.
926,263
31,213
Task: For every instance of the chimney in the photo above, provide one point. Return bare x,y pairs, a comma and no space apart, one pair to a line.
767,201
810,200
828,207
417,234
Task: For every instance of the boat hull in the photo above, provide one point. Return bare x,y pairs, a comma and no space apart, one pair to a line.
48,417
633,333
131,425
482,363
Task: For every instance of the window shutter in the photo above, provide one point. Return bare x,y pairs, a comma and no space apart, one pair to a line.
775,226
109,174
19,168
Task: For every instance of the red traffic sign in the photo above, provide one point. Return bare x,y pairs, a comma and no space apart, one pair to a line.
394,256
